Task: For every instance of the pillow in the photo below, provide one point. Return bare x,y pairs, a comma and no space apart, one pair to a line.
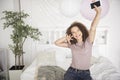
46,58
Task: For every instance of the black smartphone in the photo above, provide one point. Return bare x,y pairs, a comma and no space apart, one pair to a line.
97,3
73,40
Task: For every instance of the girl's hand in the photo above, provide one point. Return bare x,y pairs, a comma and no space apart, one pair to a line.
68,38
97,9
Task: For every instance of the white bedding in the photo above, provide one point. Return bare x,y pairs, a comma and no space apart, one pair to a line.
100,70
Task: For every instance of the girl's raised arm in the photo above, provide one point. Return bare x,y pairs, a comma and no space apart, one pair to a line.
94,23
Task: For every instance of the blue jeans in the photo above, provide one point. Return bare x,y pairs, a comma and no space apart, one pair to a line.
75,74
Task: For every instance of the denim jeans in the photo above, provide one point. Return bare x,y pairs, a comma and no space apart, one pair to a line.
75,74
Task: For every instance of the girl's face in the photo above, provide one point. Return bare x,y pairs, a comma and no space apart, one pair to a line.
76,33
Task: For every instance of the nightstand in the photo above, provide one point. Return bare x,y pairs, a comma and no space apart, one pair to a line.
4,75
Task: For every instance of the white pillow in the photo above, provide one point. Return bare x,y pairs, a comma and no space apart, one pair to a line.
46,58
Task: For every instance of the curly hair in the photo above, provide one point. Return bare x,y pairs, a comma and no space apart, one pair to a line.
82,28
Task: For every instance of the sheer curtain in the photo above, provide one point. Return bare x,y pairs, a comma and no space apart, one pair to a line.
4,63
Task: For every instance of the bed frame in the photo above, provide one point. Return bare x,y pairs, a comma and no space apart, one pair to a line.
50,35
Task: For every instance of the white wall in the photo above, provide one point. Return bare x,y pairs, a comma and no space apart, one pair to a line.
42,17
112,20
4,35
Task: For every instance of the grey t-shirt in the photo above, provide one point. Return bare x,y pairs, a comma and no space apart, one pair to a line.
81,54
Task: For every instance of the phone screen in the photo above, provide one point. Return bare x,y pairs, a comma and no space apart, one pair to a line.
73,41
97,3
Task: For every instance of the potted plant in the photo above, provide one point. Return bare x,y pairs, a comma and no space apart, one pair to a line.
20,32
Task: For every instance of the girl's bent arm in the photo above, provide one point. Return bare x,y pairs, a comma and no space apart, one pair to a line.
62,42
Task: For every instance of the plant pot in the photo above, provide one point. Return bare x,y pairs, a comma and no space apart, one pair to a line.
20,67
15,72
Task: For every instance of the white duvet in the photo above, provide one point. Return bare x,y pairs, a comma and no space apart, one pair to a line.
102,69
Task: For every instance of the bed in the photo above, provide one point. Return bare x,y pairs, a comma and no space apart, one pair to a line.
47,55
101,67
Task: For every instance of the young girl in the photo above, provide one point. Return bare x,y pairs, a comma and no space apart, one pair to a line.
80,41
